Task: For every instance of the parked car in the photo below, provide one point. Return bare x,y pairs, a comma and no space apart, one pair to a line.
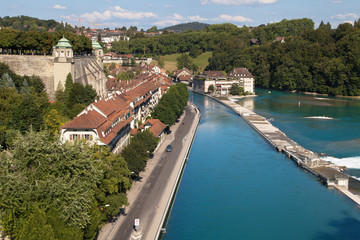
168,148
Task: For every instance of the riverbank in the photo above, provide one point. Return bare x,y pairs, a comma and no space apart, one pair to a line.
150,198
328,173
326,95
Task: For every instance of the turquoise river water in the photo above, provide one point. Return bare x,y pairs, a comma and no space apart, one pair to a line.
236,186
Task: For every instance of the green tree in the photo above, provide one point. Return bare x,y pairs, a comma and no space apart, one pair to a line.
36,227
27,115
184,60
236,89
53,122
48,173
68,89
211,88
172,104
152,29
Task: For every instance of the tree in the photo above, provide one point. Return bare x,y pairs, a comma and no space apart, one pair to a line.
161,62
51,174
211,88
36,227
60,93
27,115
184,60
133,62
53,122
68,89
152,29
236,89
172,104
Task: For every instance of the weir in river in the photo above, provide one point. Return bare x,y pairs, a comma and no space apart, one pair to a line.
330,174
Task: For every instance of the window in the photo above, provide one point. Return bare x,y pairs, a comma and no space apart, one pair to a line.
87,137
74,137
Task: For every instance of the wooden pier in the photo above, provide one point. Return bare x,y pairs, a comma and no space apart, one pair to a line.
328,173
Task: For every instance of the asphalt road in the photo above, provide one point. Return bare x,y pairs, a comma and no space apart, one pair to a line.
144,207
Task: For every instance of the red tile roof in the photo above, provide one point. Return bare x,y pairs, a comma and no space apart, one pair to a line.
156,126
214,73
113,132
243,72
90,120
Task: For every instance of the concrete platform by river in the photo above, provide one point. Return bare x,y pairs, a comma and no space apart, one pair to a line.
328,173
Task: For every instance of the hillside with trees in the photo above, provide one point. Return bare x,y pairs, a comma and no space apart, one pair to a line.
25,23
32,42
323,60
194,26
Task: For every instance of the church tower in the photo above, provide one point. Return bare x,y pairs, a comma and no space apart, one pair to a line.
98,51
63,51
63,54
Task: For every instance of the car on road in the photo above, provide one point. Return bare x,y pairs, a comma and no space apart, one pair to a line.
168,148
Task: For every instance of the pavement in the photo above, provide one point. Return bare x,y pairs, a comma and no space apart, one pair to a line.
149,200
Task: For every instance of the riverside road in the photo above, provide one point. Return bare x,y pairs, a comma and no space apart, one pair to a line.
146,203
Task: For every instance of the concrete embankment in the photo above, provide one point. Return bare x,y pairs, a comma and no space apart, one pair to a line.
328,173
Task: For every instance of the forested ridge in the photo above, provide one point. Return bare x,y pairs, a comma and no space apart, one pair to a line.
14,41
26,23
323,60
186,26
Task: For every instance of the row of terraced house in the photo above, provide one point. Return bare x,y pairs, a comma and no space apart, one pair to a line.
108,121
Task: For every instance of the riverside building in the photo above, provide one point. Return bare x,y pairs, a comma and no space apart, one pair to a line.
222,83
108,121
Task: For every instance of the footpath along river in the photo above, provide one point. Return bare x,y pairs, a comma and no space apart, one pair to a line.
236,186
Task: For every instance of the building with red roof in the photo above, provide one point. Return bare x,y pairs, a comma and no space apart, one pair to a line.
108,121
156,127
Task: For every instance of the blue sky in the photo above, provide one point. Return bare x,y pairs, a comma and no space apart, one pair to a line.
161,13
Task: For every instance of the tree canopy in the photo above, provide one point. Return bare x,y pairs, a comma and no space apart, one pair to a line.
172,104
63,187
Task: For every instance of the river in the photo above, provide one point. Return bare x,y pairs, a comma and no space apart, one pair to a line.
236,186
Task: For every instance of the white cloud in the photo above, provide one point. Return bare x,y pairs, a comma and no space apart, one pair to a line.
168,6
178,16
167,22
337,1
345,16
196,18
351,22
238,2
57,6
117,12
72,17
225,17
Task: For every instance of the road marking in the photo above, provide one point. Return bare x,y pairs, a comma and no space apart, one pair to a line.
184,140
133,237
137,235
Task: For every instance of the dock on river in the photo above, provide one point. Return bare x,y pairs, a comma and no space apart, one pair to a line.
330,174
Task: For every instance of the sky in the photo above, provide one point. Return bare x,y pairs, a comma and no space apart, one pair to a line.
161,13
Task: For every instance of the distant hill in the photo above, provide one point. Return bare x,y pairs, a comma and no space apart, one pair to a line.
25,23
186,26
